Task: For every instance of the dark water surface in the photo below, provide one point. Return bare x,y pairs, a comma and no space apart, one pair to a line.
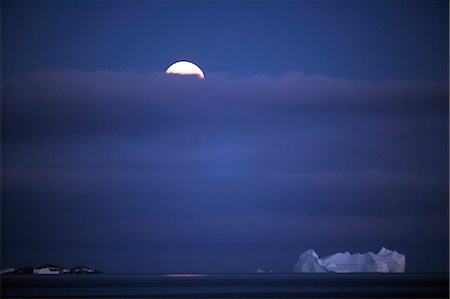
406,285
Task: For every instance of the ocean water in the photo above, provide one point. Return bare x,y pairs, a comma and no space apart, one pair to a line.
328,285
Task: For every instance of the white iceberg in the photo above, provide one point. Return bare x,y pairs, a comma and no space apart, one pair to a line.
385,261
309,262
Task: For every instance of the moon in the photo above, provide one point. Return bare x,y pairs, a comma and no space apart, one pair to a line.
185,68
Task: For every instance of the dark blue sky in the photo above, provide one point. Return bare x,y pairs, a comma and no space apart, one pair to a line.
370,40
320,125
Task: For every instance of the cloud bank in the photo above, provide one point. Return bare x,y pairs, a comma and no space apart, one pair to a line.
61,103
168,169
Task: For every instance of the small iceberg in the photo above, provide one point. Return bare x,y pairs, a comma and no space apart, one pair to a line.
260,271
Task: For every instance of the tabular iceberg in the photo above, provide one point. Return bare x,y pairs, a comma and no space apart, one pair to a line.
385,261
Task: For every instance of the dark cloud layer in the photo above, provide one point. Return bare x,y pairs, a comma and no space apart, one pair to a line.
70,102
146,172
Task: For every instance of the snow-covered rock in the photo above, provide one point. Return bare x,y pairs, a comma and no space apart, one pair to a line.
25,270
7,270
84,269
384,261
50,269
45,271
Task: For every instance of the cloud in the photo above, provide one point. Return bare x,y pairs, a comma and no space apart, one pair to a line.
71,103
141,162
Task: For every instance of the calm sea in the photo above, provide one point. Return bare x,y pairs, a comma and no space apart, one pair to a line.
406,285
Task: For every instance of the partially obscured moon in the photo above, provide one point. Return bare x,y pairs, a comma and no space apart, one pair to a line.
185,68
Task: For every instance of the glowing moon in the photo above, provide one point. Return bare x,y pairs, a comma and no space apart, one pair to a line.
185,68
